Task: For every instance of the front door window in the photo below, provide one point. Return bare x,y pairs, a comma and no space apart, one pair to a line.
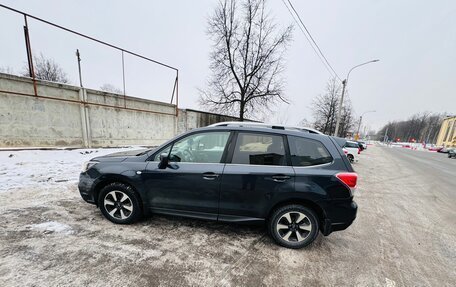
200,148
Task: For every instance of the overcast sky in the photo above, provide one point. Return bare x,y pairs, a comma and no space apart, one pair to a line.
414,40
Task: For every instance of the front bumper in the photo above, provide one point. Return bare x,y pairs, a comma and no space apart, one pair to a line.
85,187
340,215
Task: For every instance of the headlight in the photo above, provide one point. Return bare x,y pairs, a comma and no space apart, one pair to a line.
87,165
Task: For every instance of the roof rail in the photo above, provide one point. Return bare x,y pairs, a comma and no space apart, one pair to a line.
264,125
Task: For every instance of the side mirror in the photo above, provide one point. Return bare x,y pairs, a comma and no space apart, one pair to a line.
164,160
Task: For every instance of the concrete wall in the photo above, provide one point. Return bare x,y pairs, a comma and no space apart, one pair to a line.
68,116
190,119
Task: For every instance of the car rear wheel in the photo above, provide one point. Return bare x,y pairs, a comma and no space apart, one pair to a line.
293,226
119,203
351,158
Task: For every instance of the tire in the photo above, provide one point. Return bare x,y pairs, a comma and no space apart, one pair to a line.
119,203
300,232
351,158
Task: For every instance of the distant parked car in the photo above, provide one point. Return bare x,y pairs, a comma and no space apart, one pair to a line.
452,153
435,148
362,145
353,150
444,150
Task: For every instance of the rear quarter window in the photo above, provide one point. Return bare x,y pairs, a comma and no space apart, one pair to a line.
308,152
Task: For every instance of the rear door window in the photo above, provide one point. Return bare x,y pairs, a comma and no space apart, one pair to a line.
259,149
307,152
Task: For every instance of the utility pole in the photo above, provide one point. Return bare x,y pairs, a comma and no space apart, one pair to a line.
339,112
386,135
344,84
360,120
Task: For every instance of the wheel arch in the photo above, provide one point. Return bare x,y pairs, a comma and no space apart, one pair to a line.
112,178
301,201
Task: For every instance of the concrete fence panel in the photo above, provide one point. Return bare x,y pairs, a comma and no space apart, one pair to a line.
62,115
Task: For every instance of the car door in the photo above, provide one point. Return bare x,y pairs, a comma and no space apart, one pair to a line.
190,185
256,170
314,168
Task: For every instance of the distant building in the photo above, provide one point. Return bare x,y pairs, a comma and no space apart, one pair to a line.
447,133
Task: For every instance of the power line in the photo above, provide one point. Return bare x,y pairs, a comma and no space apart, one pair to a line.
311,40
308,40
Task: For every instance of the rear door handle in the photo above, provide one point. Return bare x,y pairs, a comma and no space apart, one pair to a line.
210,175
280,178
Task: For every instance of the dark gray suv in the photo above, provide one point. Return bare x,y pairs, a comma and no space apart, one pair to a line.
296,181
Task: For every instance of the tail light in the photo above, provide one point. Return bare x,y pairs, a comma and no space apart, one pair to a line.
349,179
359,150
345,151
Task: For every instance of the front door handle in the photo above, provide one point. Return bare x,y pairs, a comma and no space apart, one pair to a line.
280,178
210,175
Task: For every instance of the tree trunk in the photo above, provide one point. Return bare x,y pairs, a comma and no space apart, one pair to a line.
241,111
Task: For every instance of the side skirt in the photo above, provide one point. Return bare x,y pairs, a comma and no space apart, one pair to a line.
207,216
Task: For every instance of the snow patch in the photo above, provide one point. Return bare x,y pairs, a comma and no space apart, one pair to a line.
52,227
46,168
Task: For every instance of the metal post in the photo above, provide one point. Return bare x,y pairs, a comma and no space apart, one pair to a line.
29,59
339,112
174,91
177,93
123,79
29,55
79,67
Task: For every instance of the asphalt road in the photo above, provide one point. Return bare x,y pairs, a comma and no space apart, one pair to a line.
404,235
436,167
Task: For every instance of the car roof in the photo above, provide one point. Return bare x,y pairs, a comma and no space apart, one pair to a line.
299,133
266,125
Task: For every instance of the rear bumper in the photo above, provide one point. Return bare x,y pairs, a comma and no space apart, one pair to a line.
340,215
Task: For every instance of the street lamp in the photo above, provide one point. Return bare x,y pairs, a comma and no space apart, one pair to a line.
344,84
360,119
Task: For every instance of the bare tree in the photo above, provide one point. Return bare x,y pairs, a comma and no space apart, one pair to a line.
47,69
111,89
346,119
324,110
247,59
421,127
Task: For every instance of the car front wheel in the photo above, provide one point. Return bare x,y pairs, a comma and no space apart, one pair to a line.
119,203
293,226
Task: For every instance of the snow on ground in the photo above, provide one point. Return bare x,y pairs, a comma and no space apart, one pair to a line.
45,168
52,227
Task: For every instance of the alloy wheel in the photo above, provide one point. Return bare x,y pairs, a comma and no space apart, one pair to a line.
118,204
294,226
